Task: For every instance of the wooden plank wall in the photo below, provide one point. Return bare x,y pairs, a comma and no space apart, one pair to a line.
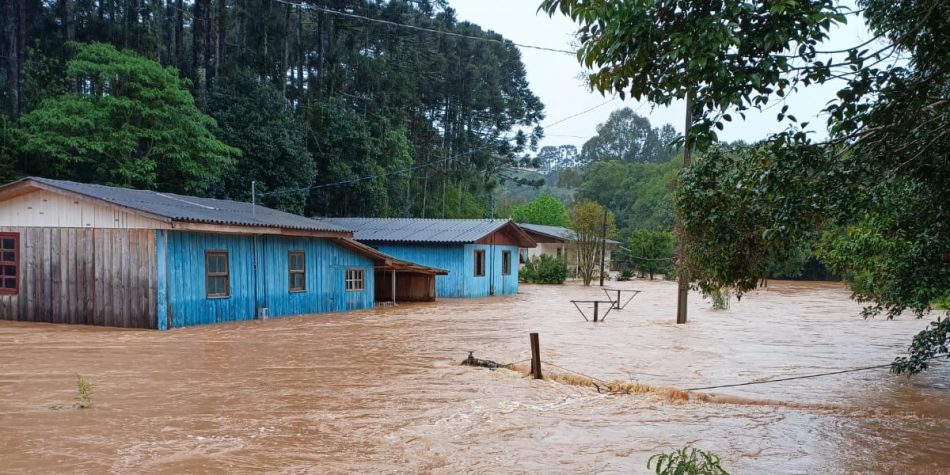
85,276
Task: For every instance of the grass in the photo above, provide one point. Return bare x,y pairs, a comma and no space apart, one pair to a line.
84,393
686,461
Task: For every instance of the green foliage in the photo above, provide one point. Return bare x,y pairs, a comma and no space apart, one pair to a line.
545,209
736,224
133,124
587,221
731,54
651,252
361,100
83,393
929,344
628,137
686,461
720,299
10,141
639,194
544,269
882,175
258,120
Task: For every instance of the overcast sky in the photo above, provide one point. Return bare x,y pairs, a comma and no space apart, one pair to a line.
557,78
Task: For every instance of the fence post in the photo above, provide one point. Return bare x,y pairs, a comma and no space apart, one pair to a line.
535,357
596,308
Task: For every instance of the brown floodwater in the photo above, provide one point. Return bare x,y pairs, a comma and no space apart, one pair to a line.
383,391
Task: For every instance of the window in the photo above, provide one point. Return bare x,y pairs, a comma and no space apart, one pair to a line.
297,264
9,263
505,262
217,276
559,253
479,263
523,256
354,280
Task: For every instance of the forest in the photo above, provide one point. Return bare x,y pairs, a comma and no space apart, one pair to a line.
329,108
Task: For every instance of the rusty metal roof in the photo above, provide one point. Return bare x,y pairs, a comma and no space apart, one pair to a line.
173,207
422,229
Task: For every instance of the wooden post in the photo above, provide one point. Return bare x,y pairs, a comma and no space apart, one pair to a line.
617,305
596,308
603,248
535,357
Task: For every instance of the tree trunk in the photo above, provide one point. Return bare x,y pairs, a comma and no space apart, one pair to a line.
179,31
220,34
683,278
17,58
201,33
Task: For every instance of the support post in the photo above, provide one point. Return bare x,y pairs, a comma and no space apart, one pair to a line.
596,308
603,248
617,304
253,198
683,277
394,286
535,357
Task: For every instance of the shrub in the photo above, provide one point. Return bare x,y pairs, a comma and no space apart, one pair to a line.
544,269
686,461
84,393
720,299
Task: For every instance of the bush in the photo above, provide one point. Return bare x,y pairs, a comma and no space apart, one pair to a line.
686,461
720,299
544,269
625,275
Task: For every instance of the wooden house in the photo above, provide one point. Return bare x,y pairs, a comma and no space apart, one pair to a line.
90,254
556,241
480,254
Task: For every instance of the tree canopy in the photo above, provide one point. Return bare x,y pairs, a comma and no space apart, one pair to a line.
545,209
629,137
132,123
337,111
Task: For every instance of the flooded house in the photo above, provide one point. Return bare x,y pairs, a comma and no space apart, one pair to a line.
557,241
480,254
90,254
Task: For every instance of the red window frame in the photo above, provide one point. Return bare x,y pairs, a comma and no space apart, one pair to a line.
15,263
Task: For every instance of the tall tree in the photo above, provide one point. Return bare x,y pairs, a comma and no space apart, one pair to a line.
145,132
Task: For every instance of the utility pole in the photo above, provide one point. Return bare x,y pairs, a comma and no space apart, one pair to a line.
253,198
603,252
683,277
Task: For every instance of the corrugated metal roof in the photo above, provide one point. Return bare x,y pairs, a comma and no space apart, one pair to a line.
419,229
191,208
556,231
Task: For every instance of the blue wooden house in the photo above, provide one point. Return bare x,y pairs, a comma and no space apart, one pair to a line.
90,254
480,254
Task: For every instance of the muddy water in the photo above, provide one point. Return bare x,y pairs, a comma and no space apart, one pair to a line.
381,390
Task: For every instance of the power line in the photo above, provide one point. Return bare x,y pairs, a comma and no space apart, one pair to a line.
598,106
429,30
790,378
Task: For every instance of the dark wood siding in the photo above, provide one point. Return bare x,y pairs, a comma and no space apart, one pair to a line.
84,276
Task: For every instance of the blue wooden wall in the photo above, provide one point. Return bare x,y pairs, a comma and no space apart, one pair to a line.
459,260
181,269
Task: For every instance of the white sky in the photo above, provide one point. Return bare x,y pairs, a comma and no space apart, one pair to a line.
557,78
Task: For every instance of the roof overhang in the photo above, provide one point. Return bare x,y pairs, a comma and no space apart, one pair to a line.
541,237
384,261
